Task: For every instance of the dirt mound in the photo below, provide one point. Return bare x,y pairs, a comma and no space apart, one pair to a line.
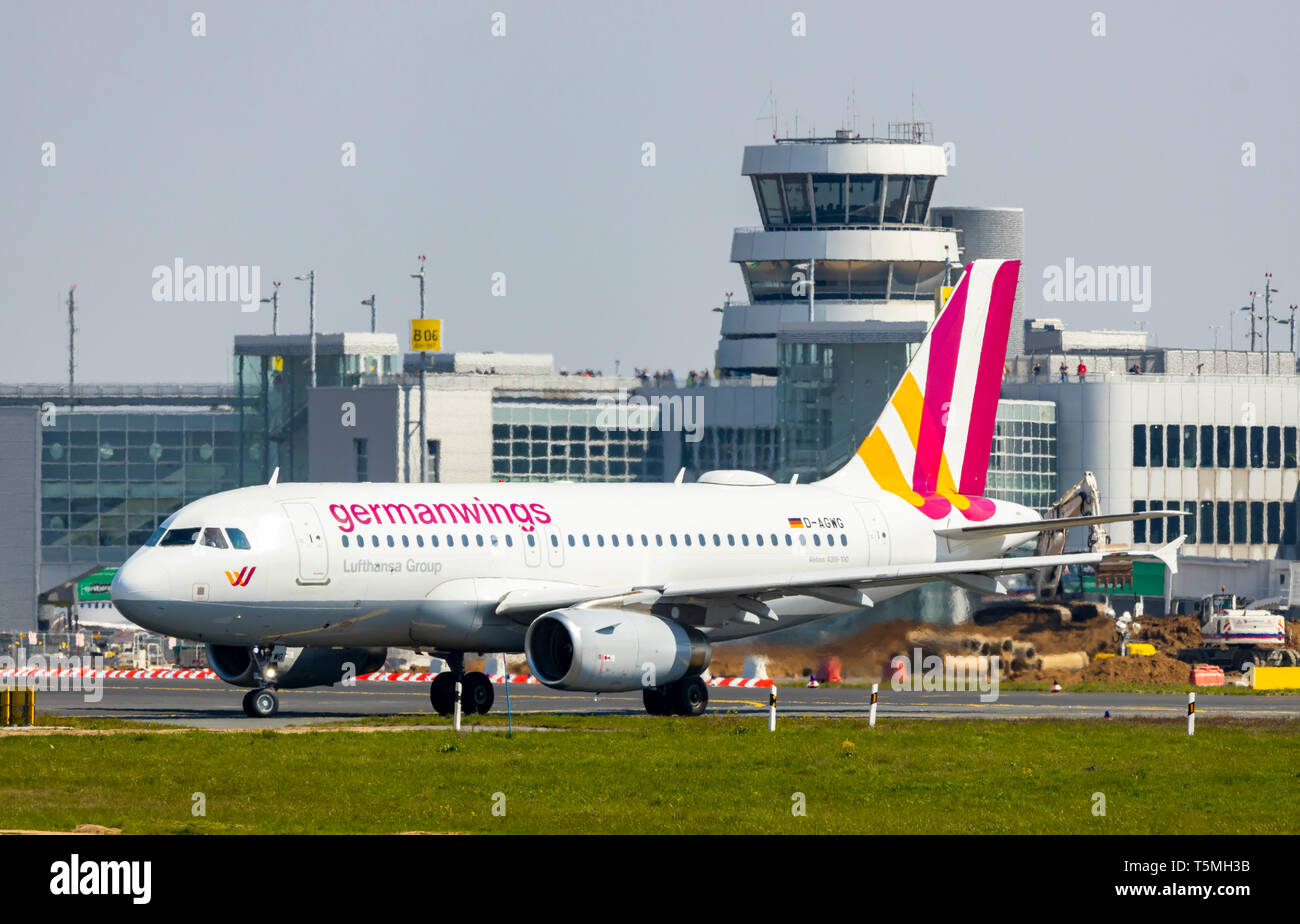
1042,629
1157,668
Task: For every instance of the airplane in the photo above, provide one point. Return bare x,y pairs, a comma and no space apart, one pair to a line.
604,587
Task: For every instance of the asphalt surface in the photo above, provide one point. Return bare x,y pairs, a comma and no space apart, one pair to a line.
213,704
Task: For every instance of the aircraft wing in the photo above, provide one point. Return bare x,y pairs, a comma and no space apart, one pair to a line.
850,586
1042,526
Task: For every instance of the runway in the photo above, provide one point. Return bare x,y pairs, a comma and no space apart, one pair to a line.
213,704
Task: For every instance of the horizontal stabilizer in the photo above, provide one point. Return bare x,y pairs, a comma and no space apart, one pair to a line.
1048,525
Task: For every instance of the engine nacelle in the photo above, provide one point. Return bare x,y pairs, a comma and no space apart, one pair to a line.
300,667
606,651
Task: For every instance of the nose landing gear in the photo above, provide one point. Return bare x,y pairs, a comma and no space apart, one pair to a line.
262,703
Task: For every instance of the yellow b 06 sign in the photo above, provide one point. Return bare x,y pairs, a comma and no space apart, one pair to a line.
426,334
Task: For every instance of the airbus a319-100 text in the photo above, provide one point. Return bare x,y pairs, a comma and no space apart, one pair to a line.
605,587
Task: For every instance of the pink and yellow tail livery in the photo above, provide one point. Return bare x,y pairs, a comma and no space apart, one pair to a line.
931,443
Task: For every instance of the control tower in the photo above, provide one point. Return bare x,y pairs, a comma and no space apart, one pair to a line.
841,278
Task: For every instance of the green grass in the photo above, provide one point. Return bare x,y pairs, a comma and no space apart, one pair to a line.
628,774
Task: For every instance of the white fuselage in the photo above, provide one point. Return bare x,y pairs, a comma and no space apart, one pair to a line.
405,565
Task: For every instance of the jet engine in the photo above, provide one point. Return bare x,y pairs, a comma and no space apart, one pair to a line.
612,650
300,667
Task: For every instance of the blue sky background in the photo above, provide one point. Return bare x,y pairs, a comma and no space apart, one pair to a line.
522,155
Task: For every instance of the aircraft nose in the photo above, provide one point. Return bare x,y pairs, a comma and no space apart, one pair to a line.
139,590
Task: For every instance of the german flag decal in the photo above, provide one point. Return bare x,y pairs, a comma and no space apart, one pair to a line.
796,523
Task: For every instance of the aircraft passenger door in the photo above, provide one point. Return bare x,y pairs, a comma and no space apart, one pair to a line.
532,549
554,543
313,557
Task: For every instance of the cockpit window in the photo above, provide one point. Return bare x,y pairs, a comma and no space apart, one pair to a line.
213,539
237,538
157,534
186,536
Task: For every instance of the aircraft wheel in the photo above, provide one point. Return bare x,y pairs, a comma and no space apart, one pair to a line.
689,696
261,704
442,693
476,694
656,703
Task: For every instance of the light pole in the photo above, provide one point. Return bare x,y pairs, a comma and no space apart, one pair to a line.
1290,323
1268,318
1253,318
424,448
371,302
1216,328
310,277
274,302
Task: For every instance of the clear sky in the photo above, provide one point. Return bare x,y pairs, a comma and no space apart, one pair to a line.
522,155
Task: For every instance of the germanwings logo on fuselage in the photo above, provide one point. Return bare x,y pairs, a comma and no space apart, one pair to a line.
242,577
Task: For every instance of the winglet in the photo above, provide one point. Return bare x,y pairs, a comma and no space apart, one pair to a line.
1168,554
275,476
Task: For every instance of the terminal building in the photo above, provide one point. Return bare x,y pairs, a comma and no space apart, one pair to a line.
1211,434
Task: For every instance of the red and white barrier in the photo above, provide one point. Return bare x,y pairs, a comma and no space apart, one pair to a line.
377,677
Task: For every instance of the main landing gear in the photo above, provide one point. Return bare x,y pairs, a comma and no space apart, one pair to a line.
262,703
476,693
688,696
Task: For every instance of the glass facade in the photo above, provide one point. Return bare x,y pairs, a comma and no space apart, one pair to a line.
807,200
751,448
552,442
109,478
829,396
1022,466
781,280
272,392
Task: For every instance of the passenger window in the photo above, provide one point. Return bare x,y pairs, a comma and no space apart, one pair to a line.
374,542
433,541
645,540
510,541
600,540
479,539
613,540
773,538
731,540
555,541
464,540
787,539
803,540
586,541
817,540
406,541
180,536
744,539
419,540
686,538
572,541
237,538
532,540
672,539
391,543
701,538
659,539
759,538
630,542
345,540
717,540
830,538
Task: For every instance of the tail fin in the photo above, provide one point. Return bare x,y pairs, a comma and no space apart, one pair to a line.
931,443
